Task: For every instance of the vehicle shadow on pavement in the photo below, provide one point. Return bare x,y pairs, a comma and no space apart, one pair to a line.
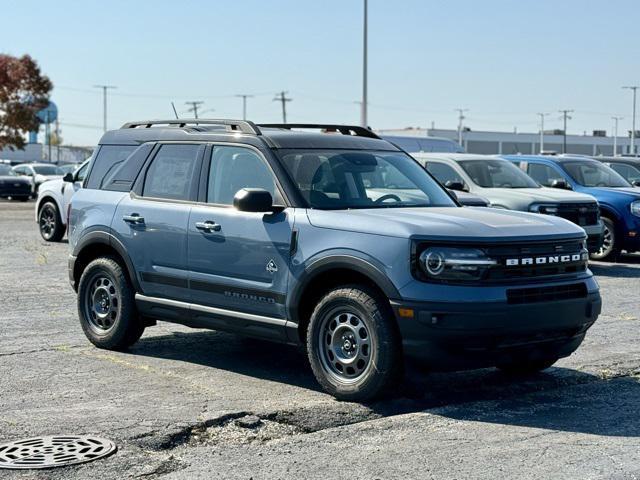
247,356
600,407
557,399
615,270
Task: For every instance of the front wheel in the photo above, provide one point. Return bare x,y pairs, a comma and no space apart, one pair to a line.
106,305
610,249
353,344
50,223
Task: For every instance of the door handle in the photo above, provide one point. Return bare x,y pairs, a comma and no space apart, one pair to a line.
208,226
133,218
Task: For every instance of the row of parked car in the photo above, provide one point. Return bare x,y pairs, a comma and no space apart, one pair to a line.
22,182
601,196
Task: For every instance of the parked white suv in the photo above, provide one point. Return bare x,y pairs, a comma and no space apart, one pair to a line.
53,200
38,173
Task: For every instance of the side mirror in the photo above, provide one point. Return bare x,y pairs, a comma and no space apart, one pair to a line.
560,183
636,183
253,200
68,177
459,186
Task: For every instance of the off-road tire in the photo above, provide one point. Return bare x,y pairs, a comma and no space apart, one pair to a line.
356,310
610,250
122,326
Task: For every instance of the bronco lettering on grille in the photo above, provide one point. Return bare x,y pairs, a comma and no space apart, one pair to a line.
547,259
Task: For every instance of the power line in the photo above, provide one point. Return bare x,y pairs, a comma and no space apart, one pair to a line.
282,97
194,107
104,102
565,117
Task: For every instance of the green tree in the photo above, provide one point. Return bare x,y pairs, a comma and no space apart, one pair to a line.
23,91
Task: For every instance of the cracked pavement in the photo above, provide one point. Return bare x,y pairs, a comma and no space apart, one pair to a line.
185,404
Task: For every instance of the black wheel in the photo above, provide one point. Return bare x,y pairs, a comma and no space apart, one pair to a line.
353,344
609,250
526,367
50,223
106,305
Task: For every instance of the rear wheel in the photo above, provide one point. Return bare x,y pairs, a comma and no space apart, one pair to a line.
353,344
50,223
610,249
106,305
526,367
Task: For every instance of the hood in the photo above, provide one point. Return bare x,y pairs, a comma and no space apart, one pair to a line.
14,179
538,195
43,178
632,193
451,223
52,185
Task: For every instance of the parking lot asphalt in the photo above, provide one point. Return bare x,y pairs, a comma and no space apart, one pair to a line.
185,404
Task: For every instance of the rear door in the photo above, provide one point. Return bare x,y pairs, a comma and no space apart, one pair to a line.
153,224
239,261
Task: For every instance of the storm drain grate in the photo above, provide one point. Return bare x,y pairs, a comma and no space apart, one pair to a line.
54,451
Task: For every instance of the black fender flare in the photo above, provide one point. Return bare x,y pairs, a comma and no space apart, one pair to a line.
105,238
331,262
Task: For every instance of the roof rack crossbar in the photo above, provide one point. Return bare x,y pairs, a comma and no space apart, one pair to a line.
242,126
343,129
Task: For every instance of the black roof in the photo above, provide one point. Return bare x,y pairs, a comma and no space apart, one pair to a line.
271,135
628,160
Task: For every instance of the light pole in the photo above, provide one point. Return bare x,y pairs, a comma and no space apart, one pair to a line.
633,120
542,115
565,117
363,106
194,107
244,97
615,135
104,103
282,98
461,117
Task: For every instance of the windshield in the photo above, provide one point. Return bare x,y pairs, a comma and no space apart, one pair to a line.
47,170
497,174
342,179
70,168
594,174
6,170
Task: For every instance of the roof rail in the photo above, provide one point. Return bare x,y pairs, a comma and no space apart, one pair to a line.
233,125
343,129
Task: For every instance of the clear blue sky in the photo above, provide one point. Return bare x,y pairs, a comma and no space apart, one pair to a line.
503,60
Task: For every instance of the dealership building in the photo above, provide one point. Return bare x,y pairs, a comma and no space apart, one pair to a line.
487,142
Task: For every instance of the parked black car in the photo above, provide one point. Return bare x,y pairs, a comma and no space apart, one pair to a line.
14,186
628,167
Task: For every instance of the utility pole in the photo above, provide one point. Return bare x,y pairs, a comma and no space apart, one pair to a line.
363,106
615,135
461,117
632,150
104,103
565,117
542,115
194,107
282,97
244,97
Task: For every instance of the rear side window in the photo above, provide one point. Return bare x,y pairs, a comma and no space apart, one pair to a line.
171,173
109,158
543,174
444,173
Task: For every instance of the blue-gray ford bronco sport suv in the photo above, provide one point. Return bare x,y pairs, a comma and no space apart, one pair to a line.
323,236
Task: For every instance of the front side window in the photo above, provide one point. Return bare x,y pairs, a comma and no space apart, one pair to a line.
445,174
497,174
108,158
171,172
342,179
594,174
629,172
80,174
544,174
235,168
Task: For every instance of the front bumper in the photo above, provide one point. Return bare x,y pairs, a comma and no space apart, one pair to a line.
458,336
17,189
595,235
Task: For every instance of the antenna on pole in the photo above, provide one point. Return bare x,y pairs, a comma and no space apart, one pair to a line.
282,97
175,112
194,107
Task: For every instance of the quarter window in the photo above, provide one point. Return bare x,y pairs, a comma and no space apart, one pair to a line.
170,174
108,158
235,168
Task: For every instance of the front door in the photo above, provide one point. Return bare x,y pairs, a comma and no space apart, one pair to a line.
239,261
153,226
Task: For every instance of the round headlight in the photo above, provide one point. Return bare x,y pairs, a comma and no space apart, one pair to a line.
434,262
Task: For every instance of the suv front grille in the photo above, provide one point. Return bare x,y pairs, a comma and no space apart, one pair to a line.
546,294
582,214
